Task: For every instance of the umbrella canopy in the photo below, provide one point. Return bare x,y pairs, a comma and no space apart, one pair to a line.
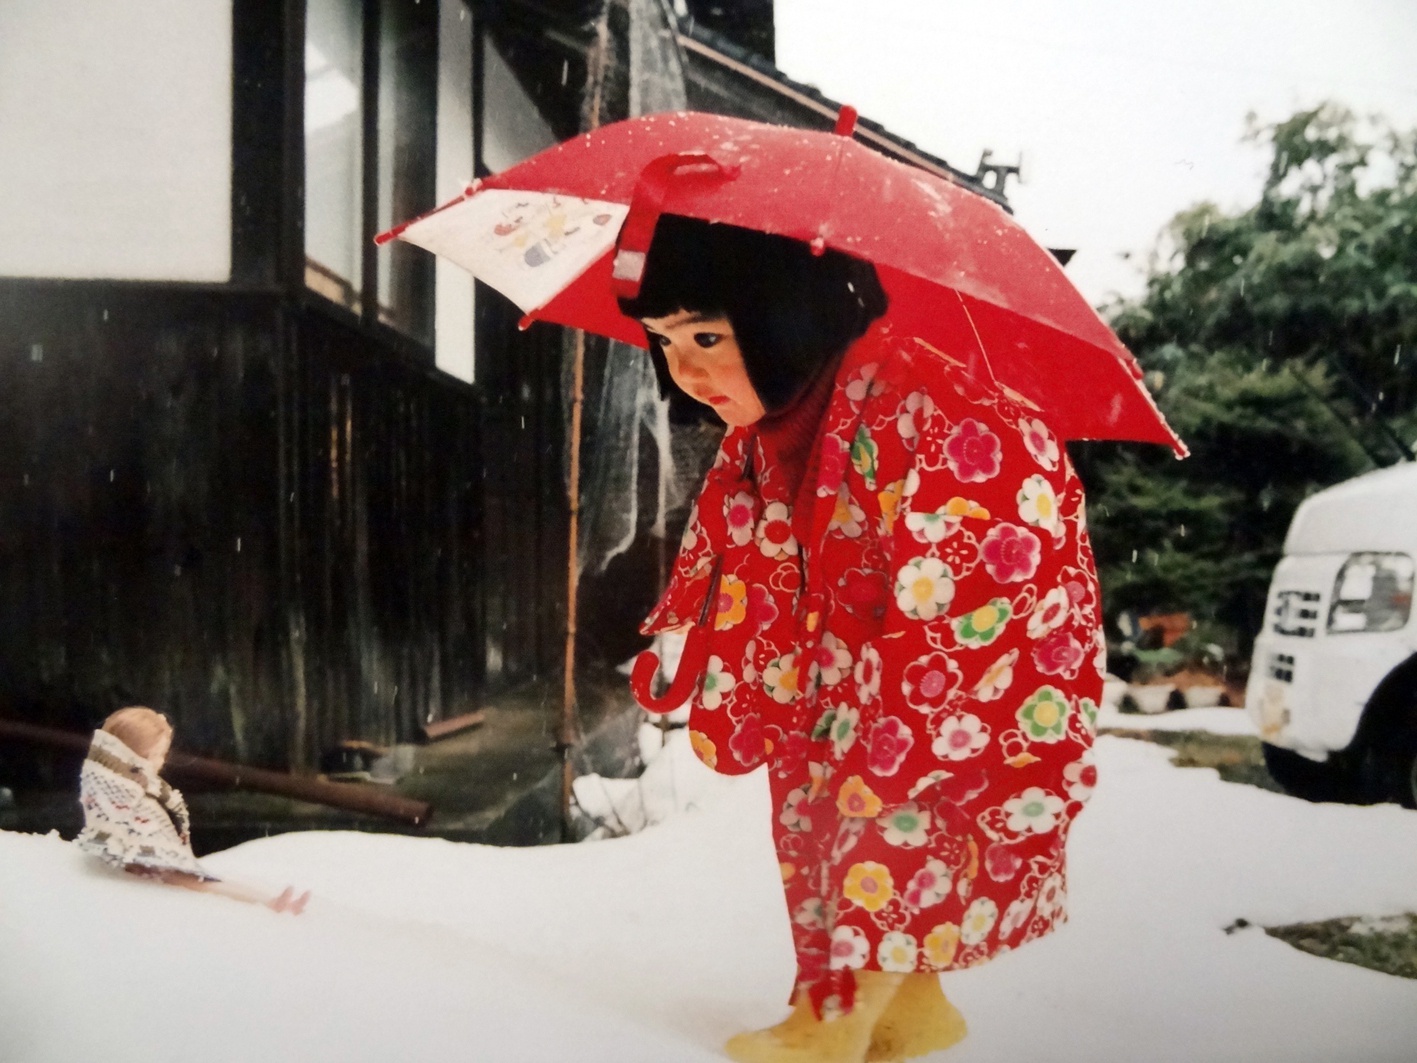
961,273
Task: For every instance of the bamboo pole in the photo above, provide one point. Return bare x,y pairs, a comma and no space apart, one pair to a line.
566,735
185,768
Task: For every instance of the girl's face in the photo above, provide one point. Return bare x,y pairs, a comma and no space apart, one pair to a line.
705,362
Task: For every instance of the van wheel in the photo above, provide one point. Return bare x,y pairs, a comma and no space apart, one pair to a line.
1391,775
1389,765
1332,780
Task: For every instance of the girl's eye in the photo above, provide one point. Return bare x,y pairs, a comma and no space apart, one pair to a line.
656,340
707,339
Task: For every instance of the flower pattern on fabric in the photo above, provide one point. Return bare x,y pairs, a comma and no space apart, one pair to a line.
1050,613
810,913
831,661
1034,811
1087,712
863,385
997,678
930,682
906,827
718,683
864,453
1002,862
1011,554
797,811
848,519
942,523
834,458
762,609
732,602
982,626
889,499
890,741
960,737
928,758
869,885
978,920
1044,716
842,729
747,743
775,538
896,952
1015,916
929,886
1051,895
1038,505
849,948
1040,442
924,588
973,452
1059,654
868,675
1081,777
941,945
857,800
704,748
780,678
741,516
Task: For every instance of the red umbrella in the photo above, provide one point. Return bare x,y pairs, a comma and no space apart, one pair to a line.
960,271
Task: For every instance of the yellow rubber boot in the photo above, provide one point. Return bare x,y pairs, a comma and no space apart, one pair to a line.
803,1038
919,1020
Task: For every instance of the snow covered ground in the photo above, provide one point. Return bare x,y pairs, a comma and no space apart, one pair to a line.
656,947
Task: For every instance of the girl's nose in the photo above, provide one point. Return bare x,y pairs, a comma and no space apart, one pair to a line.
691,370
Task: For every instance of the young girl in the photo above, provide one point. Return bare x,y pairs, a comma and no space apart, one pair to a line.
135,821
904,630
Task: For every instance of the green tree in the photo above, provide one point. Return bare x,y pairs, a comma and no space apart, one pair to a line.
1281,342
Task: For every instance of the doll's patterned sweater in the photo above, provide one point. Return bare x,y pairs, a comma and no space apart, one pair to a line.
132,817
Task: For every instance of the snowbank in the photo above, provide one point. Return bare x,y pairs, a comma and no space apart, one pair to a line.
656,947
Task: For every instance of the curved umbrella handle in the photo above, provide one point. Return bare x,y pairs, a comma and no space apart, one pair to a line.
646,205
686,678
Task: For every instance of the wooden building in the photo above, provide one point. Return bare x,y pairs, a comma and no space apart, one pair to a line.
286,486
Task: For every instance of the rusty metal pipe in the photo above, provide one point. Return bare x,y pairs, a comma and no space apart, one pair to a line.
184,768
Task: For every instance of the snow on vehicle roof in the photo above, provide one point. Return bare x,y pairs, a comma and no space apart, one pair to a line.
1376,511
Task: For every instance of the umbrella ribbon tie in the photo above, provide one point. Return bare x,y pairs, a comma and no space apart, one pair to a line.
647,204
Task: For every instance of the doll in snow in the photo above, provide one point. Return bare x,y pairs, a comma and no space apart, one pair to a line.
136,822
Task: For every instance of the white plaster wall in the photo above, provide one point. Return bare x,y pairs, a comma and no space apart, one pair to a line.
453,309
512,128
115,139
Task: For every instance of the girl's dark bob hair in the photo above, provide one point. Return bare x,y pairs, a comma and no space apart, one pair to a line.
793,312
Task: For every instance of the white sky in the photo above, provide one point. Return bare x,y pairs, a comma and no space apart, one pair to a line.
1124,111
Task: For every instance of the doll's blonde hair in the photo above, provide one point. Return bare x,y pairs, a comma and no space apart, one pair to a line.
138,728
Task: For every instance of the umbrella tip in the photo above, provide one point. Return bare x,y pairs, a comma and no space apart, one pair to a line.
846,121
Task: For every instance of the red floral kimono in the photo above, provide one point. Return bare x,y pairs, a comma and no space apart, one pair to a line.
907,633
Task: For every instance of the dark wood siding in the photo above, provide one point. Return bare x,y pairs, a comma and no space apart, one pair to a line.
246,513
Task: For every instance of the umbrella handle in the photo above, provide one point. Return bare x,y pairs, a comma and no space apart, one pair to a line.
646,205
686,677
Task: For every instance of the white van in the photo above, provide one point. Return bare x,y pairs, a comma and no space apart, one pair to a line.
1333,681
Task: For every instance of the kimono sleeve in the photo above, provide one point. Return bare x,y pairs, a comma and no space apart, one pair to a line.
971,693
